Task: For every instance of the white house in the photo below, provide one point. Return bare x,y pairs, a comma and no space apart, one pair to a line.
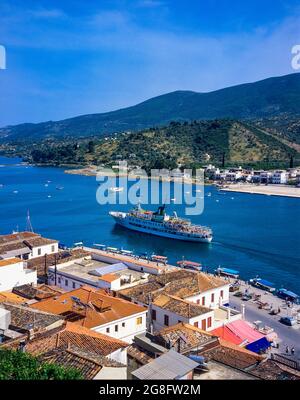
26,245
13,272
279,177
96,310
169,310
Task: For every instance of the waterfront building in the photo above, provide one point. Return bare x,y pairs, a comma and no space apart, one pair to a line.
279,177
167,310
14,272
26,245
94,271
188,296
96,310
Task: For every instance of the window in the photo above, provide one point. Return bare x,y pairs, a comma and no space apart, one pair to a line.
166,320
153,315
203,324
52,248
116,328
59,280
107,330
209,322
212,297
222,293
196,324
39,252
66,282
203,301
74,285
123,324
179,321
198,301
139,320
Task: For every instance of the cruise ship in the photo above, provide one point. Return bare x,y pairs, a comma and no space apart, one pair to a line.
161,224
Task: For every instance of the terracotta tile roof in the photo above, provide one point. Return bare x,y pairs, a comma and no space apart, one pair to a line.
84,338
12,298
38,241
85,361
188,335
71,359
9,261
233,355
22,242
180,307
7,247
76,336
38,263
193,283
180,283
17,237
138,354
25,318
272,370
92,308
37,292
141,292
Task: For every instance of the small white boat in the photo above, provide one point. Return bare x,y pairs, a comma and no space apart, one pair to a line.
217,201
46,185
209,194
198,190
116,189
49,197
59,187
15,191
173,199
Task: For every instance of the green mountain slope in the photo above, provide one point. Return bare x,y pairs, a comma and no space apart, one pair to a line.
185,144
262,99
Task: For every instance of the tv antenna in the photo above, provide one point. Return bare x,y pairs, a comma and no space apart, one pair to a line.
28,223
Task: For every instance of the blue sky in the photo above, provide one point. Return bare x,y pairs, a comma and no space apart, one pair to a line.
66,58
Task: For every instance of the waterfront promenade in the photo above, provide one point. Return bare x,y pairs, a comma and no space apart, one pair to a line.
287,336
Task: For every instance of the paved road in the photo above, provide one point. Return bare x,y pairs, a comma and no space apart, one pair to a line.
288,336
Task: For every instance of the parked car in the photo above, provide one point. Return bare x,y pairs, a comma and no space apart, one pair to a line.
290,321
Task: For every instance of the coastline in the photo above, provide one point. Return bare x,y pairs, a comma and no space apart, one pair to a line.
267,190
90,171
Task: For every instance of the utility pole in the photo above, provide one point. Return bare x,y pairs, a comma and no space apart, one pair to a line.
55,270
45,268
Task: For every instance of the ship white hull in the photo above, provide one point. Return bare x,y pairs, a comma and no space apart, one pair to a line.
123,221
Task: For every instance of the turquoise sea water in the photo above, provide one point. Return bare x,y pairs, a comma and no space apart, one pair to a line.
258,235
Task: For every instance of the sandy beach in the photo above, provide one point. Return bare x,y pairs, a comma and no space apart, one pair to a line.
269,190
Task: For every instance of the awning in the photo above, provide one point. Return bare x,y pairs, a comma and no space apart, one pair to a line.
259,345
243,330
238,332
225,333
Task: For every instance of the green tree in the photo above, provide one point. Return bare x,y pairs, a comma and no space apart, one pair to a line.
16,365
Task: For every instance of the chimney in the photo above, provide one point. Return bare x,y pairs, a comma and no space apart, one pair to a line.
22,346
